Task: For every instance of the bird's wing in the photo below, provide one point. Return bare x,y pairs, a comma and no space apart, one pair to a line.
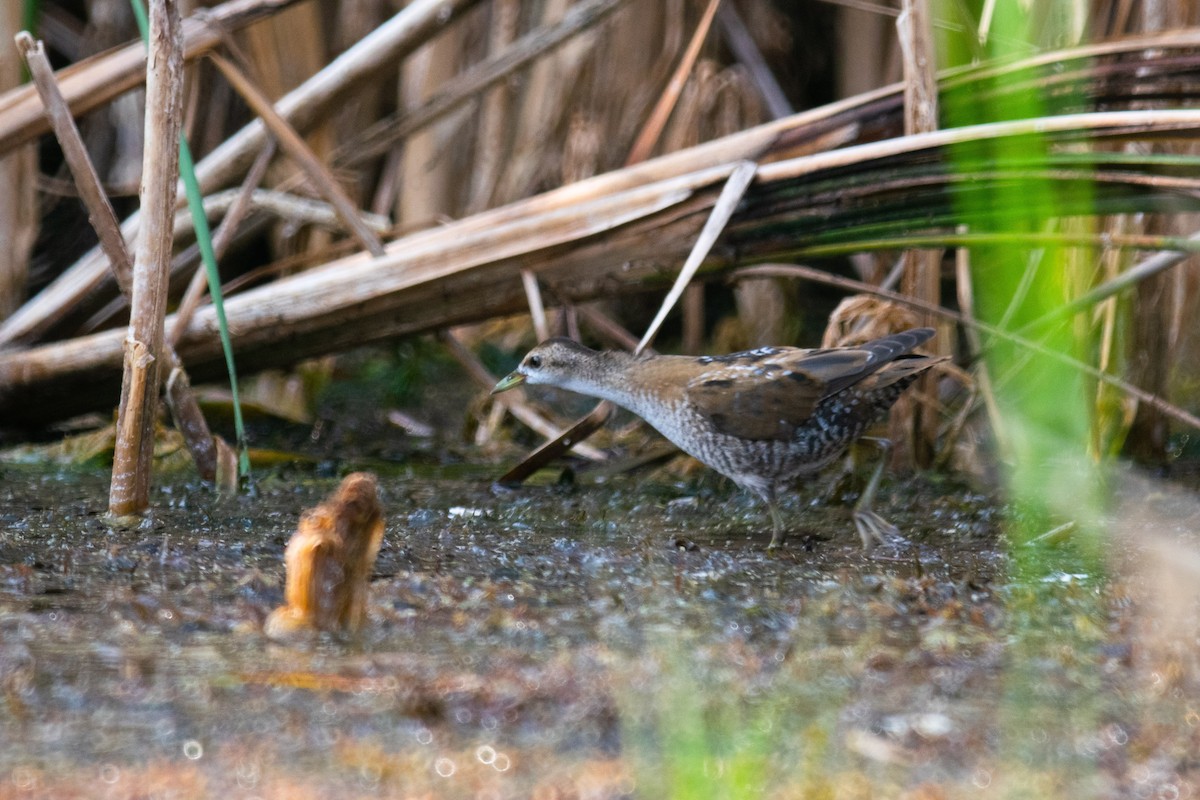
767,393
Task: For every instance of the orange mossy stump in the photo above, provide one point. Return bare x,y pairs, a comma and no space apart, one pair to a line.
329,561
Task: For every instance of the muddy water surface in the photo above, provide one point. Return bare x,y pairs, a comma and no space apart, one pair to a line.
628,638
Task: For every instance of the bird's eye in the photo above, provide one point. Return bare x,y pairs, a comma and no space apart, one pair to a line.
535,362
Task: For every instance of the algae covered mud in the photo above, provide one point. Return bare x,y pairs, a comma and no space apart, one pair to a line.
623,639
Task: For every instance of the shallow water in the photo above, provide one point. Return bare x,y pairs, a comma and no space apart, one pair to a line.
623,638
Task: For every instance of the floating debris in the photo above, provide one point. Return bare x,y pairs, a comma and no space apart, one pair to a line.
329,561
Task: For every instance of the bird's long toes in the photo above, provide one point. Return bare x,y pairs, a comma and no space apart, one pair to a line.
875,530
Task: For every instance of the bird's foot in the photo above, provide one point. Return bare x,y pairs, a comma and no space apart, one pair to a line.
777,539
875,530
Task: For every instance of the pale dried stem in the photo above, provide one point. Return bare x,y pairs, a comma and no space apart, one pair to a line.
915,434
87,182
607,327
494,111
134,451
537,309
20,210
733,29
652,130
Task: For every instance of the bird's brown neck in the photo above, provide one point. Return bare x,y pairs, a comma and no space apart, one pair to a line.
634,382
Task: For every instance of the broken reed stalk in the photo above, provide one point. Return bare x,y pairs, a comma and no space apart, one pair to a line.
134,451
189,419
20,209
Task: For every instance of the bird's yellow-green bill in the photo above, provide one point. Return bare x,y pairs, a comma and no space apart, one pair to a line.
508,382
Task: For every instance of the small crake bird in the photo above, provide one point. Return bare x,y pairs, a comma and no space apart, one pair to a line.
761,417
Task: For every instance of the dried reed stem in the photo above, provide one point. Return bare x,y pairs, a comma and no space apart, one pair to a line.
494,111
189,419
644,144
134,451
291,143
733,29
915,434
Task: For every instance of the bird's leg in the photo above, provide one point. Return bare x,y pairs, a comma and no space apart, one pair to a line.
778,534
872,528
836,488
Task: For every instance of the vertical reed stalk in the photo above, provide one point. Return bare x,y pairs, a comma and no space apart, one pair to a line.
917,445
133,455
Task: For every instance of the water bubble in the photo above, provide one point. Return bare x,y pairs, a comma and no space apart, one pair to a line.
1117,735
486,754
502,763
444,767
110,773
192,750
932,725
247,774
982,778
424,736
23,778
370,775
1167,791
